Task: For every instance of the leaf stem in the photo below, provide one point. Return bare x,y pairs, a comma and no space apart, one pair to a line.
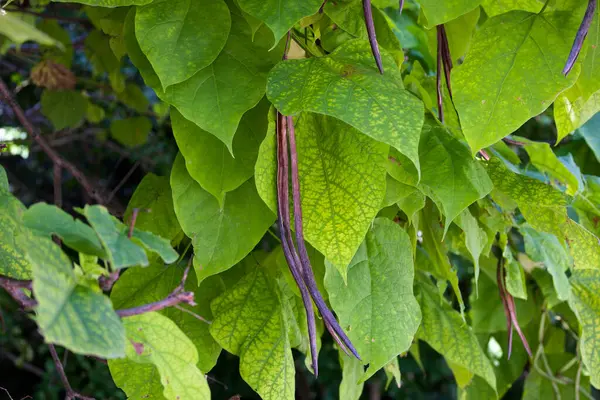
368,12
71,394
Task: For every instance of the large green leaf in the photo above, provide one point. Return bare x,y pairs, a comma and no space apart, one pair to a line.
585,301
476,239
208,160
377,306
47,219
19,31
589,79
181,37
138,381
589,131
107,3
121,251
137,56
547,249
438,12
250,322
216,97
444,330
140,286
351,386
13,256
280,15
153,199
572,111
75,316
131,132
497,7
155,339
450,176
222,234
347,85
501,83
342,180
63,108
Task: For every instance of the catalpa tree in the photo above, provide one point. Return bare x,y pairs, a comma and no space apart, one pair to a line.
376,176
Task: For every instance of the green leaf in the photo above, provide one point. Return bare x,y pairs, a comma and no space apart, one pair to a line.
156,244
352,385
250,322
450,176
342,181
19,31
544,159
516,283
280,15
392,371
547,249
94,113
460,33
585,302
75,316
98,51
501,85
212,97
497,7
589,132
487,312
4,186
138,381
440,12
154,200
584,245
55,31
47,219
208,160
155,339
377,307
222,235
346,85
137,56
181,37
64,109
433,256
138,286
542,206
131,132
121,251
444,330
134,97
107,3
589,79
13,256
475,239
572,111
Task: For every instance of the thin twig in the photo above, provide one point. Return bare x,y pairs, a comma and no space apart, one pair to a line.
71,394
401,7
580,36
178,295
54,156
193,314
123,181
23,365
15,287
368,12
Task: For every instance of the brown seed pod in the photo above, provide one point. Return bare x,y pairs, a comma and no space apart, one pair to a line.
51,75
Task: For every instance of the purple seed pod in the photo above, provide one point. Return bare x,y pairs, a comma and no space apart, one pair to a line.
401,6
438,83
371,32
446,58
580,37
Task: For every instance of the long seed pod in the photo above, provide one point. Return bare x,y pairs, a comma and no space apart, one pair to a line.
580,37
283,214
401,7
438,82
371,32
309,279
510,310
446,58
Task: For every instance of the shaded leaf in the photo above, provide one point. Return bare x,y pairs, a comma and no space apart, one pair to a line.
65,109
19,31
131,132
439,12
222,235
376,307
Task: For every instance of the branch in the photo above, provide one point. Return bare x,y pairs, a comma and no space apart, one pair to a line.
54,156
71,394
178,295
15,287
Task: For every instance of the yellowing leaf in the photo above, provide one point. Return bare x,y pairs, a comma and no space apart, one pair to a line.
20,31
155,339
444,330
501,84
377,307
342,180
13,256
75,316
347,85
250,322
